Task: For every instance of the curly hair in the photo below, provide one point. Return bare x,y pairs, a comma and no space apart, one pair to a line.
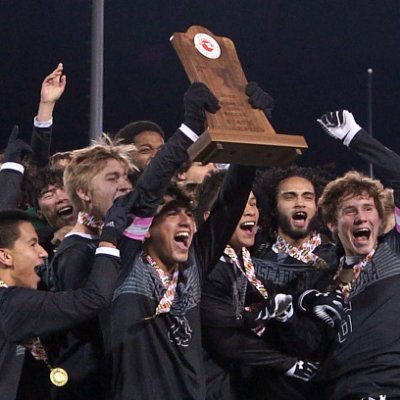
353,183
266,190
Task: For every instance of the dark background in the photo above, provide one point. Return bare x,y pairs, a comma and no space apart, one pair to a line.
310,55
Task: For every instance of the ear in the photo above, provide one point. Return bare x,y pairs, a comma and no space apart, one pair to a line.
147,235
206,214
181,176
332,227
82,195
6,257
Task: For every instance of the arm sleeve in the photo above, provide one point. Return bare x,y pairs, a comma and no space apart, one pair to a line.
386,161
12,180
215,233
40,143
155,179
241,346
26,312
72,267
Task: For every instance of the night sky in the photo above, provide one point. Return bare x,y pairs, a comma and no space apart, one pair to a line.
310,55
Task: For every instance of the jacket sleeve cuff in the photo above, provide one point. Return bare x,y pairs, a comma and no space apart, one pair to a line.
188,132
14,166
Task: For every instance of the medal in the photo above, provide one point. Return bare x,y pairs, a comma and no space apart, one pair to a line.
346,275
58,376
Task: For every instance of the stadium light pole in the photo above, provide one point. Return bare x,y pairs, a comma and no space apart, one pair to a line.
96,73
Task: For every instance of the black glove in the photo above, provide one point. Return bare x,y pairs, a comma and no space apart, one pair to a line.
196,101
278,306
326,306
117,218
304,370
16,148
260,99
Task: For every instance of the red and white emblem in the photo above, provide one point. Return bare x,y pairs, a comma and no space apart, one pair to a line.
207,45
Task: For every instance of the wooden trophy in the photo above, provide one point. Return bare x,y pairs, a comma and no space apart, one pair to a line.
237,133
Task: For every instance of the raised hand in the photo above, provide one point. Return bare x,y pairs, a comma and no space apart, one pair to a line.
260,99
16,148
197,100
53,85
340,125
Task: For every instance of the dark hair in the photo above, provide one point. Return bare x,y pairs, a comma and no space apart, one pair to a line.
128,132
267,186
178,195
46,176
9,226
208,194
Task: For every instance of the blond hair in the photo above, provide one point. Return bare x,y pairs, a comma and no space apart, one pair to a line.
86,163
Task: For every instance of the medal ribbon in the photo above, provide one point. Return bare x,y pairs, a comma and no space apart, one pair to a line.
304,253
170,284
89,220
347,287
249,271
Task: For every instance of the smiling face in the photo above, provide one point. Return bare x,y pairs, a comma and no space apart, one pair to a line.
55,206
358,224
296,208
21,260
171,235
245,232
147,143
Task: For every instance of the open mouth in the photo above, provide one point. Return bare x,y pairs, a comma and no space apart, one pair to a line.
65,212
299,219
362,234
182,238
248,226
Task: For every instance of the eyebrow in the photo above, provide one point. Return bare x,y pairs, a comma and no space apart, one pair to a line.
297,192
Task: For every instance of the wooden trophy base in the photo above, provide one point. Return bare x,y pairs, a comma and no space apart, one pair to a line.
237,133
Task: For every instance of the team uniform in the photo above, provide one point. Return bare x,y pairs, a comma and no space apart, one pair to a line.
26,313
79,351
161,357
365,358
228,338
283,273
387,164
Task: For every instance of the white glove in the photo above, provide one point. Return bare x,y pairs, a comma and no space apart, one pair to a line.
340,125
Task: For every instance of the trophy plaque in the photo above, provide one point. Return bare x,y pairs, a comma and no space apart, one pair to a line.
237,133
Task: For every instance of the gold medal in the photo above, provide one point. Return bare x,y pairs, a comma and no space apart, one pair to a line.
346,275
58,376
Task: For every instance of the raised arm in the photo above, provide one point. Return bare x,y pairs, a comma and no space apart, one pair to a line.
341,125
12,170
53,87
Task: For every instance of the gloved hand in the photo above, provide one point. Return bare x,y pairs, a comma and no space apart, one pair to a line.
260,99
278,306
326,306
117,218
16,148
304,370
340,125
198,99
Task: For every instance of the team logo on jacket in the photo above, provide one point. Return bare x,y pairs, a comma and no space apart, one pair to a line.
207,46
180,332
